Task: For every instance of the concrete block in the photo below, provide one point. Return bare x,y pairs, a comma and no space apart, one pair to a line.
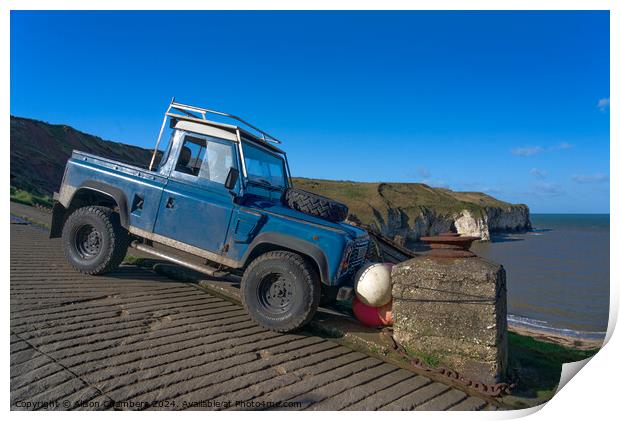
454,309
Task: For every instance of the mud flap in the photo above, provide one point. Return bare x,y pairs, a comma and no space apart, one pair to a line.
58,220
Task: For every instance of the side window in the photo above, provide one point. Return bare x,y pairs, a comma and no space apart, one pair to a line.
210,160
218,162
191,156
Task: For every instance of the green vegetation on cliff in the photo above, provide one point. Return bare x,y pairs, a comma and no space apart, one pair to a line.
39,152
30,199
537,365
478,199
367,201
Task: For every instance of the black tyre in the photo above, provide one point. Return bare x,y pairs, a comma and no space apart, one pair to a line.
316,205
94,241
281,291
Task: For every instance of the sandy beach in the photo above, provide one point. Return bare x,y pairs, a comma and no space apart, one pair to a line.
564,340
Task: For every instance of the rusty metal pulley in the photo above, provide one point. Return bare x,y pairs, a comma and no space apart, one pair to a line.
450,245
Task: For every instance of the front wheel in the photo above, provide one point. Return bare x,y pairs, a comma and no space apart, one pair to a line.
94,241
280,291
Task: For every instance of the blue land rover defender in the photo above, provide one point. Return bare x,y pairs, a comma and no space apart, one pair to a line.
219,201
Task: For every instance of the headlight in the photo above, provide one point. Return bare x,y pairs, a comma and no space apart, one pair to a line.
344,262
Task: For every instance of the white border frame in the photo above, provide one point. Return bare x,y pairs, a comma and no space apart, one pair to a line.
591,394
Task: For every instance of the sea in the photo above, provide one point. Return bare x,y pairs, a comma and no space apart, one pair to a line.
557,274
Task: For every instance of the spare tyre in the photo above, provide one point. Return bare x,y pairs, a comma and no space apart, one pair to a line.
316,205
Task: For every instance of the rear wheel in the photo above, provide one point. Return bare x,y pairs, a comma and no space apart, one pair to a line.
280,291
94,241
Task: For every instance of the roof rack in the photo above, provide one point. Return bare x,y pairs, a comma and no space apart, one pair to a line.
200,115
189,110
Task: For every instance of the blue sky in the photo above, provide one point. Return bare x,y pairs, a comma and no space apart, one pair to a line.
515,104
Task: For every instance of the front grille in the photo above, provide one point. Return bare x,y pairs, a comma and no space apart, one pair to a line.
358,255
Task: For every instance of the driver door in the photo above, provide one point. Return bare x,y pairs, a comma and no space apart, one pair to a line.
195,207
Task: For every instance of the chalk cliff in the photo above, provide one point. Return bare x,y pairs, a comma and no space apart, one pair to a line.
408,211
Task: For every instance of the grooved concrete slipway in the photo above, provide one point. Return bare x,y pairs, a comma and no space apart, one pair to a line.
137,340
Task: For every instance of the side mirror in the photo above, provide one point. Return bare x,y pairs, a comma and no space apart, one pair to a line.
231,178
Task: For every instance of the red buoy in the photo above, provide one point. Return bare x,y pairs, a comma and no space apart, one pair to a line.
372,316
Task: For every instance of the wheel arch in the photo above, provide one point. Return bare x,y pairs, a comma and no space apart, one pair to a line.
274,241
89,193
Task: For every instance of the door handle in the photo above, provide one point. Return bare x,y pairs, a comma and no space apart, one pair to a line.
170,203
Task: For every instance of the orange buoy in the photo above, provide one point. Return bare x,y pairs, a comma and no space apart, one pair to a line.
372,316
385,314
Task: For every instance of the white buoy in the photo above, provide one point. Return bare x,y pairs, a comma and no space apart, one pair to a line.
373,284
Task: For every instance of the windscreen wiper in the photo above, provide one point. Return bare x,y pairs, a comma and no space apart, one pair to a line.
264,183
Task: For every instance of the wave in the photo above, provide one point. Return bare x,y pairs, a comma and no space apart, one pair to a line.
526,322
